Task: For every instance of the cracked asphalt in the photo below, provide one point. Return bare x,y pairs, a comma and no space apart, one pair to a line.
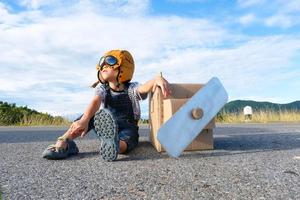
250,161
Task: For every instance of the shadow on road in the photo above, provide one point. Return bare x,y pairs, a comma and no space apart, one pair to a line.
232,141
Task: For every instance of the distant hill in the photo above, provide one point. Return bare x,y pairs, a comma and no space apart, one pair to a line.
10,114
238,105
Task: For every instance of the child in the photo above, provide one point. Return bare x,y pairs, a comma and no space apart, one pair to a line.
114,111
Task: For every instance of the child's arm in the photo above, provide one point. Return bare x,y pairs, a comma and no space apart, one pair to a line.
81,126
151,84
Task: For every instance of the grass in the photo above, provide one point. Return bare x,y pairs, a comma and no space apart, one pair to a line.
42,120
257,117
260,117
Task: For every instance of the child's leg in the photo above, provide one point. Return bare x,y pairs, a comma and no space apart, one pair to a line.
128,138
65,146
68,135
123,146
61,142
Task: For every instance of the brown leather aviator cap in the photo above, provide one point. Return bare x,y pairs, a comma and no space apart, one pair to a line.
124,65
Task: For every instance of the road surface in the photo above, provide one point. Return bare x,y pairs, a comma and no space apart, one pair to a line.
250,161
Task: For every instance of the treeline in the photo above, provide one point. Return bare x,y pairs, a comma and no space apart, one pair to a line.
144,121
263,116
262,112
10,114
237,106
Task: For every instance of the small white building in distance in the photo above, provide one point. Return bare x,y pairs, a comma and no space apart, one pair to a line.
248,112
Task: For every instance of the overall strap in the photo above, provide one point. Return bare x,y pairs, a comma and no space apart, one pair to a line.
108,92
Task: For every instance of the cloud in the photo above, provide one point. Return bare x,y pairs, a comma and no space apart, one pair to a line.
103,7
47,61
290,6
5,16
36,4
252,68
247,19
249,3
279,13
286,16
187,1
279,20
47,56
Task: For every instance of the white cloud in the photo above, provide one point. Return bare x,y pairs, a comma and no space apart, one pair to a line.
5,16
64,49
130,7
48,61
103,7
286,15
247,19
249,3
290,6
278,13
252,68
187,1
280,20
36,4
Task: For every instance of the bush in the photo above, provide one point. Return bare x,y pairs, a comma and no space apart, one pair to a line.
10,114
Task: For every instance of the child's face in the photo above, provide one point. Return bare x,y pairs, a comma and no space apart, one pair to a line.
108,74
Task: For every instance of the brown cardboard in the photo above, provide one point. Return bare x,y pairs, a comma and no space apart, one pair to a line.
170,106
160,110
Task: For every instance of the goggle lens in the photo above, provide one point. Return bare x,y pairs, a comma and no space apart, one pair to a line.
109,60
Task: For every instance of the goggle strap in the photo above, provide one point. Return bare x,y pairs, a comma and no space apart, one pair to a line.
95,84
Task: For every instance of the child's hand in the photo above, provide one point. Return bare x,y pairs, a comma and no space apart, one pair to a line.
163,84
79,127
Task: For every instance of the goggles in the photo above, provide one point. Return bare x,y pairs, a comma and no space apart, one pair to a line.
108,60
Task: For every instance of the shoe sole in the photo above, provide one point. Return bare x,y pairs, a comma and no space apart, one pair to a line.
106,129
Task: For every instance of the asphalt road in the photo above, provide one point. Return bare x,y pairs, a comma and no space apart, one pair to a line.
250,161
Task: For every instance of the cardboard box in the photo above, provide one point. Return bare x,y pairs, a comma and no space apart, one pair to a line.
160,110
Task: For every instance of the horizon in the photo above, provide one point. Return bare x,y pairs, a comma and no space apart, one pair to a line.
49,49
144,116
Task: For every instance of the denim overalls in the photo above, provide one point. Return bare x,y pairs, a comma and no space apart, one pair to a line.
119,103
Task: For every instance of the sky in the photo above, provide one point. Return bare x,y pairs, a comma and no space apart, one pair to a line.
49,48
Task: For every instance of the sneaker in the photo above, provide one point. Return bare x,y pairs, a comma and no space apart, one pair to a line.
54,153
106,129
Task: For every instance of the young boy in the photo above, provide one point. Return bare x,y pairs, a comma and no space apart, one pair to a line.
113,112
